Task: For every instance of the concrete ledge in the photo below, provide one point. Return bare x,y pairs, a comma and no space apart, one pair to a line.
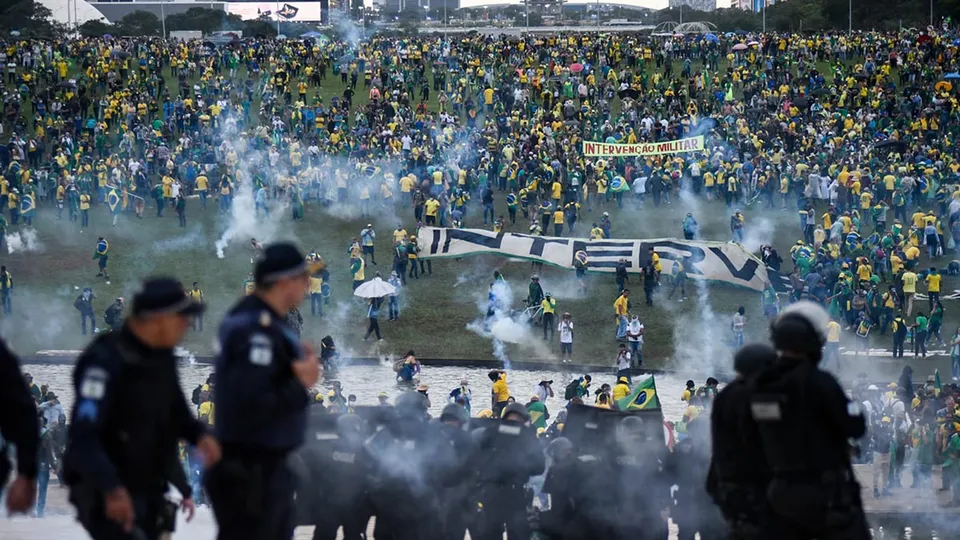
70,357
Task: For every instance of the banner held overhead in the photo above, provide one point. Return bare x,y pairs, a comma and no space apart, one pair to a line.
678,146
712,261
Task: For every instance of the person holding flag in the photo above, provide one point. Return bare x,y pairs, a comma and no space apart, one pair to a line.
643,396
113,201
249,285
28,207
101,254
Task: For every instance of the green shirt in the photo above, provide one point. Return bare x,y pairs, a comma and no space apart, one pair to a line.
921,324
538,414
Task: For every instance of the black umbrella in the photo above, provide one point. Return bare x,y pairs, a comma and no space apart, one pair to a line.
68,84
892,146
860,76
801,103
628,93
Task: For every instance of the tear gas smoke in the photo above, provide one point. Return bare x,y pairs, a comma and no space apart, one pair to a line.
245,219
24,241
758,232
499,323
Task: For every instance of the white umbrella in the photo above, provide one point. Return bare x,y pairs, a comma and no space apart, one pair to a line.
375,288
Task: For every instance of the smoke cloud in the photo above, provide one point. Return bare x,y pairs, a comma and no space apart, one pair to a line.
24,241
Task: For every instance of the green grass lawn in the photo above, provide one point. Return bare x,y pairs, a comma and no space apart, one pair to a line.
437,309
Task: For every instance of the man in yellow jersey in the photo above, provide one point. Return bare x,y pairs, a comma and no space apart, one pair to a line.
196,294
549,306
621,307
84,210
933,286
909,280
202,187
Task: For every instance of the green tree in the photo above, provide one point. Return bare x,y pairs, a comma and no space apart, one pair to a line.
31,19
204,19
140,23
97,29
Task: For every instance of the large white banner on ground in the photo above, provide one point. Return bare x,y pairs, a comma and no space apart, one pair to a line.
712,261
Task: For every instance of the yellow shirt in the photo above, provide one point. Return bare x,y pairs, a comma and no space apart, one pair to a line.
620,305
488,96
833,332
558,217
316,285
933,282
201,183
84,202
399,235
196,295
549,306
206,409
912,253
500,389
431,207
620,391
909,282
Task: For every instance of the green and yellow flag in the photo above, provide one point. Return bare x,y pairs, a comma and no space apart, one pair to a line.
643,396
113,200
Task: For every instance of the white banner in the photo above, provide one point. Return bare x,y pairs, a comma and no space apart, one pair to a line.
713,261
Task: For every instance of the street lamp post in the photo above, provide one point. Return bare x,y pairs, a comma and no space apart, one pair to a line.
163,20
850,17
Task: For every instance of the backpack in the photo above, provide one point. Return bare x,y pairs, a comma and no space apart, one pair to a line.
570,391
195,399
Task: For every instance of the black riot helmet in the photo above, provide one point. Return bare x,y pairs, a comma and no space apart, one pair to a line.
800,331
350,427
753,358
411,406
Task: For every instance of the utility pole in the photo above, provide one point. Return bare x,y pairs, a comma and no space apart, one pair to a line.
526,14
163,19
681,13
598,16
931,12
276,13
850,17
764,8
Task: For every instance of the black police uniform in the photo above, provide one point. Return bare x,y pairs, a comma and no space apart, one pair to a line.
689,466
261,418
340,470
411,462
128,416
18,419
805,421
509,455
558,521
739,473
642,490
459,503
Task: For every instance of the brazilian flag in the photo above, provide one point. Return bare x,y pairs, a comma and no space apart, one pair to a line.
643,396
113,200
27,205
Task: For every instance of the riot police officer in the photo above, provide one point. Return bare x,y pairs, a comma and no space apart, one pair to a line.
739,473
128,416
642,487
18,425
558,520
410,462
509,456
805,422
341,477
459,503
689,465
262,376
